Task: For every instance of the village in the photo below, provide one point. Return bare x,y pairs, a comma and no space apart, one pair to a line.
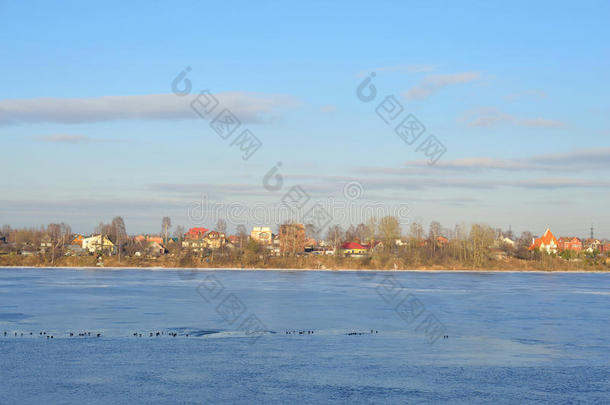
383,239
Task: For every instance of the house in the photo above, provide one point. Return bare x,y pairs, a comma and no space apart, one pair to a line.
97,243
148,238
196,233
373,246
353,248
497,253
262,234
292,238
441,240
75,250
215,240
592,244
45,244
503,240
275,245
547,243
310,243
154,248
77,240
570,243
195,245
323,251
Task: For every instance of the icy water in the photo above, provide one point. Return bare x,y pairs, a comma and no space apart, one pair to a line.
512,337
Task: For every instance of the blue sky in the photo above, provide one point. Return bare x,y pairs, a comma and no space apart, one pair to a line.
516,93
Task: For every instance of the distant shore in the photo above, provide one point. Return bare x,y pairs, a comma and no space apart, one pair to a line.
421,270
307,263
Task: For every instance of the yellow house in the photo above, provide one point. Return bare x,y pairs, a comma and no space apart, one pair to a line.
353,248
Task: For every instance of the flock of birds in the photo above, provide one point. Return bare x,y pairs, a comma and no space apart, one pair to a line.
86,334
49,336
311,332
174,334
362,333
154,334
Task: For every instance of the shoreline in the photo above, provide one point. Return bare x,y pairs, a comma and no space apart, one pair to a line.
204,269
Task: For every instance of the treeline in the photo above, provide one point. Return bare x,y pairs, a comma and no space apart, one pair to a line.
477,246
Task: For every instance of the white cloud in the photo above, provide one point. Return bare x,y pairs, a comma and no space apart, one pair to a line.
65,138
489,117
248,107
407,68
575,161
328,108
433,83
535,94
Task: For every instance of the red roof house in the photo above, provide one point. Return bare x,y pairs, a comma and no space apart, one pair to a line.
196,233
547,243
353,248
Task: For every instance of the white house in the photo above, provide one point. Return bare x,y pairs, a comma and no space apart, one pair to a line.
95,243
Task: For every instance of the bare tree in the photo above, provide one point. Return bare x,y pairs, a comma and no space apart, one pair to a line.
311,231
526,238
55,236
335,235
179,233
221,226
360,232
119,233
242,234
371,229
389,229
435,230
166,224
416,230
350,233
480,238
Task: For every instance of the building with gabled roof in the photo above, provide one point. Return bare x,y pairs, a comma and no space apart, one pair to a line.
570,243
546,243
196,233
353,248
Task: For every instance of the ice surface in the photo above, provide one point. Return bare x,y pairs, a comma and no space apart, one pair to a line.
513,337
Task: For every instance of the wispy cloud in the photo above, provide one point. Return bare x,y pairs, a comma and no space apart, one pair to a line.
65,138
431,84
405,68
248,107
328,108
575,161
535,94
464,183
490,117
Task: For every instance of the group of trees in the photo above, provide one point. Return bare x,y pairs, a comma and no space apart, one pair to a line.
460,244
468,245
52,240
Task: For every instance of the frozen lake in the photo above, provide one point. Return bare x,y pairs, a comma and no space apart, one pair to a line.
512,337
